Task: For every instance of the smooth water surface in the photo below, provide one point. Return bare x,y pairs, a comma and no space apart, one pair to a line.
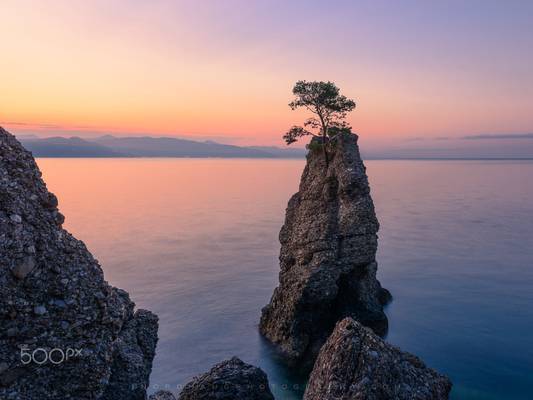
195,241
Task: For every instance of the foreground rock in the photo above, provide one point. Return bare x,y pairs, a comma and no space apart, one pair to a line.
163,395
328,256
356,364
229,380
66,333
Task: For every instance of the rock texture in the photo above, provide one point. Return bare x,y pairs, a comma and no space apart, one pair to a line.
162,395
327,259
65,332
355,363
229,380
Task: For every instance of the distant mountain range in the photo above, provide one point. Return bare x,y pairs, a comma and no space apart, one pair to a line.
468,147
147,146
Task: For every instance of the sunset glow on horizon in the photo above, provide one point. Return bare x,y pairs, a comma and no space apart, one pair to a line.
225,69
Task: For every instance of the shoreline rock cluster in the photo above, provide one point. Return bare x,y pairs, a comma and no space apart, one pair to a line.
66,333
328,290
327,312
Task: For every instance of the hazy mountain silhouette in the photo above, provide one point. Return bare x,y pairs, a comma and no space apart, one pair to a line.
173,147
147,146
67,147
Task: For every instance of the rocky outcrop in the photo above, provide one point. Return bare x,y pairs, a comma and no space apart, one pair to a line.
229,380
355,363
65,332
328,256
232,379
133,353
162,395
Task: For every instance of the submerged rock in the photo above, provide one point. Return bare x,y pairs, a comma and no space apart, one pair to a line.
328,256
355,363
66,333
229,380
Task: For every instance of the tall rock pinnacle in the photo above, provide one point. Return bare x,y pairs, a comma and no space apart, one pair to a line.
328,256
65,332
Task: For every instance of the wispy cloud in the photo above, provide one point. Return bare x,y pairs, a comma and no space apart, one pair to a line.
30,125
484,136
42,126
499,136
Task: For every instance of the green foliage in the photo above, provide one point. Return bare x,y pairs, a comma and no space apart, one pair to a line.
335,130
330,108
294,134
315,146
318,96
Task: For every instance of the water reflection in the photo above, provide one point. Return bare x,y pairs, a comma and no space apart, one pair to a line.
195,240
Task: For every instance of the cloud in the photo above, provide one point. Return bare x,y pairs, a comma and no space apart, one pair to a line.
42,126
31,125
499,136
484,136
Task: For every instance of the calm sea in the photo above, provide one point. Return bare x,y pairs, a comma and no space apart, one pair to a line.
195,241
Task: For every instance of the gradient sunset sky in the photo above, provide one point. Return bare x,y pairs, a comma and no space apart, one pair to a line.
224,69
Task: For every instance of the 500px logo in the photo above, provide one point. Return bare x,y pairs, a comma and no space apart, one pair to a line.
41,356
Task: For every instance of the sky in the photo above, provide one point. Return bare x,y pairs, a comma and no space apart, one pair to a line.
419,71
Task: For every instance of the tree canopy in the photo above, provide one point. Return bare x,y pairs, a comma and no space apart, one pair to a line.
330,108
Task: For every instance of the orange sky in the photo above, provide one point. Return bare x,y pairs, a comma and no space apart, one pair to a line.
225,69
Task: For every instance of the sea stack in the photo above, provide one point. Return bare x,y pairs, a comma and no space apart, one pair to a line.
328,256
356,364
66,333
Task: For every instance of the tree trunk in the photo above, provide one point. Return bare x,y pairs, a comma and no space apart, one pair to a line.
324,137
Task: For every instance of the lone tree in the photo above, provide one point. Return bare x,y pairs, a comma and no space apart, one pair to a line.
329,108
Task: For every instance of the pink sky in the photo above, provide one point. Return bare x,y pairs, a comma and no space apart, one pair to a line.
225,69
